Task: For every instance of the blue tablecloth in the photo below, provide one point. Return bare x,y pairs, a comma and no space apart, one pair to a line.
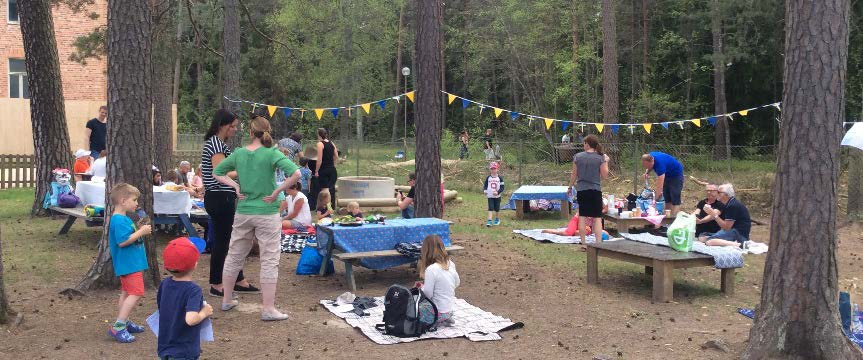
376,237
533,192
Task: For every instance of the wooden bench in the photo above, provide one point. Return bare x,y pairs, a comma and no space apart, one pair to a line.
196,216
658,261
351,259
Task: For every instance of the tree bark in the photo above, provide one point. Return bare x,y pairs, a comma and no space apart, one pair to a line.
231,63
429,110
575,67
722,141
130,132
397,109
177,56
47,111
165,71
610,101
798,317
4,303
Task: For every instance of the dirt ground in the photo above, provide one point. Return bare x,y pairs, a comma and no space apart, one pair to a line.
564,317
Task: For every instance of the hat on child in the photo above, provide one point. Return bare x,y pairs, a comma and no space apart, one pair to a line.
493,165
180,255
81,153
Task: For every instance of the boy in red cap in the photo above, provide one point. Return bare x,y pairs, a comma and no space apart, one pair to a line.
181,303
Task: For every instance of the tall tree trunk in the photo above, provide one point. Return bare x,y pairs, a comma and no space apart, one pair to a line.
397,110
165,70
130,132
610,102
231,63
645,39
4,303
429,108
798,317
177,56
47,111
722,142
575,67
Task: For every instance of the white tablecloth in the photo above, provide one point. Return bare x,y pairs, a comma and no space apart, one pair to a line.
164,201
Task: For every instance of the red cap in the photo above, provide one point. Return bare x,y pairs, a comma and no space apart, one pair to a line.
180,255
493,165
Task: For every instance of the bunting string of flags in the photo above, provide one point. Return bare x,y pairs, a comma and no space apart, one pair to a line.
565,124
320,111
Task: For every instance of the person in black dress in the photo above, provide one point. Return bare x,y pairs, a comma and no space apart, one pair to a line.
325,167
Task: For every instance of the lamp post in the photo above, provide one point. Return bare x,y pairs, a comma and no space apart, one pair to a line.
406,71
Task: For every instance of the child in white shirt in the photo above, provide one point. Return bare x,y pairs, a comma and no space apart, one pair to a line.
441,279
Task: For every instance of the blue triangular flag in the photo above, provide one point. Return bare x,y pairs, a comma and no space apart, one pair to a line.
382,104
615,128
665,125
287,111
335,113
712,120
513,115
465,103
565,125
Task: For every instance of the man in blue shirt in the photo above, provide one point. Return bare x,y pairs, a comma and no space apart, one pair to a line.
669,178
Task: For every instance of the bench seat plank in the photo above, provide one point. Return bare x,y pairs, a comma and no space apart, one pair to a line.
381,253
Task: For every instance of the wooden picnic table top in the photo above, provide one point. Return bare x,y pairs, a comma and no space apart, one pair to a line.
649,251
616,217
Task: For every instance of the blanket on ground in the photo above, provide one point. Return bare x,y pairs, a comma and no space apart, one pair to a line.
724,257
468,321
538,235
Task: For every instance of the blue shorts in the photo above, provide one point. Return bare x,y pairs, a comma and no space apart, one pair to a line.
671,190
729,235
94,154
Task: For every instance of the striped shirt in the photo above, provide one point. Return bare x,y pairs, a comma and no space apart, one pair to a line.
213,146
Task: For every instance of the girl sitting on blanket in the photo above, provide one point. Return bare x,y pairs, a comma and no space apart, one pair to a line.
572,229
441,279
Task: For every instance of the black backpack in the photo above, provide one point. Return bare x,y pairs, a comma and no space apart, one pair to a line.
401,312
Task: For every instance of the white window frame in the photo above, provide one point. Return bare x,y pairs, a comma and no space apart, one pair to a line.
21,79
8,19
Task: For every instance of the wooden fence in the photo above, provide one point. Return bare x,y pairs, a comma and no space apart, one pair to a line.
17,171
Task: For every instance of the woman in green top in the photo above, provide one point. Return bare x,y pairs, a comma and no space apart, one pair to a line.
257,213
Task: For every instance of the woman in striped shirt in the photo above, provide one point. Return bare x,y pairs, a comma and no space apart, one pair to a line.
220,200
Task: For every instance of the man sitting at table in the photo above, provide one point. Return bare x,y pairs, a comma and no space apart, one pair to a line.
184,173
406,203
704,222
734,221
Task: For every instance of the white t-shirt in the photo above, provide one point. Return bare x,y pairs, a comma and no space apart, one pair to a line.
440,284
100,167
305,215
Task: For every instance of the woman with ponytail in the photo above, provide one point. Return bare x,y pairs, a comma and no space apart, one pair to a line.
325,170
589,167
257,213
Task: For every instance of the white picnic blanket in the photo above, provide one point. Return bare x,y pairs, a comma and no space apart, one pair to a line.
538,235
468,321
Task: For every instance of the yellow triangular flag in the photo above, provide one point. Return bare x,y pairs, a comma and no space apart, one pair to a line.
410,96
271,109
599,127
548,123
319,113
497,113
647,127
697,122
743,112
451,98
366,107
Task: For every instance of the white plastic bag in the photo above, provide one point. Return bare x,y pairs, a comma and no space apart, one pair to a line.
681,232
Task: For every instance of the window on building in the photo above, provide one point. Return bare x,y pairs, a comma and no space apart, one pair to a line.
18,87
12,11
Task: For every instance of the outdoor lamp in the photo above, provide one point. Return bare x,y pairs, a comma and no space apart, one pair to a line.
406,71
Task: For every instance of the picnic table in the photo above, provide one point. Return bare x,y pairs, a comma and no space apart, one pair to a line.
196,216
372,245
520,199
623,225
658,261
164,201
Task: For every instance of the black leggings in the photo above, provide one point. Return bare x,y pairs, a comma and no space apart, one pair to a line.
221,206
327,179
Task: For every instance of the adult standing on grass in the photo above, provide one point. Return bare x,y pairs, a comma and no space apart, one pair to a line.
669,178
96,133
325,169
292,144
487,141
463,140
220,200
257,216
589,167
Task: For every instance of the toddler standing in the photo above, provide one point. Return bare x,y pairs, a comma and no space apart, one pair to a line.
181,303
493,187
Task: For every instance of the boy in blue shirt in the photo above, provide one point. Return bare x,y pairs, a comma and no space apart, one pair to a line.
129,259
305,175
181,303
